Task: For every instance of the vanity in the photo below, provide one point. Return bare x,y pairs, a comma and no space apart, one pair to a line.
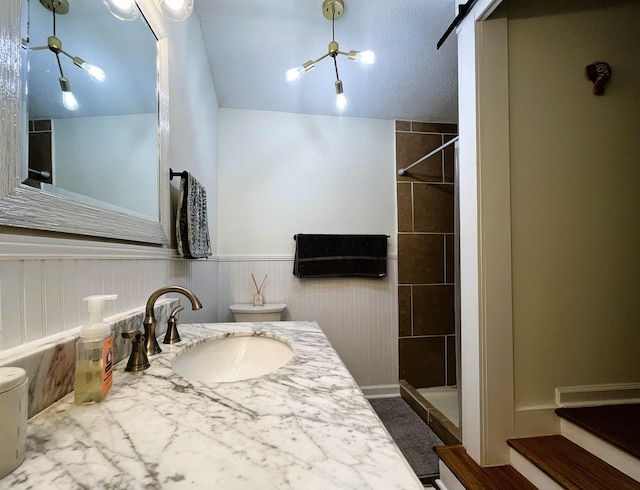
305,425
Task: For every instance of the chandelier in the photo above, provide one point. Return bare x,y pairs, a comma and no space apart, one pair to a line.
54,44
332,10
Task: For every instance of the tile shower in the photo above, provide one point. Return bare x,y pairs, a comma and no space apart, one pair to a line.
426,279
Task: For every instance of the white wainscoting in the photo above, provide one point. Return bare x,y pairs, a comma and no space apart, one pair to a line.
42,283
42,286
358,315
201,277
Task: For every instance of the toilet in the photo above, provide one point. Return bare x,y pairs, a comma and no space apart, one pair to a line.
264,313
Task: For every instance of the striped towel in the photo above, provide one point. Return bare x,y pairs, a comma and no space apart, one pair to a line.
192,229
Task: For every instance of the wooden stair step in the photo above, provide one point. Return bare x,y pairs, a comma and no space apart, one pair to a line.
617,424
474,477
571,466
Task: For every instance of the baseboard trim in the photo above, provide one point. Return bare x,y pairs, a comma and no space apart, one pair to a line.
594,395
381,391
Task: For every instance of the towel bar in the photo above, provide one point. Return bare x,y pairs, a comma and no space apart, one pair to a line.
295,237
173,174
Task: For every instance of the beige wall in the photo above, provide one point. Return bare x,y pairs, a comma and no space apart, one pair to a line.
575,197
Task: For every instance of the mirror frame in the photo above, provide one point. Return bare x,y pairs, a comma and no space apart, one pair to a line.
28,207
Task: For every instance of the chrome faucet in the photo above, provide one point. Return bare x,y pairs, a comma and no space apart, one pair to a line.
150,343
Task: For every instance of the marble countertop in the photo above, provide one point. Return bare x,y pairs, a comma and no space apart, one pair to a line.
303,426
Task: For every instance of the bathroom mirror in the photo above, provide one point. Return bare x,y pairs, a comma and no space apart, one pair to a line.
26,206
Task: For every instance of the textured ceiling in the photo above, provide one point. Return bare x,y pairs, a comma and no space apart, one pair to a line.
251,44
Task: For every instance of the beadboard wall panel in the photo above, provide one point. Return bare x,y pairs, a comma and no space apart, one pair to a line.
54,301
41,297
41,294
11,324
358,315
200,277
33,299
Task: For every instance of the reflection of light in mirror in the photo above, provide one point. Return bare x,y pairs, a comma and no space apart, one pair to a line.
76,146
68,99
96,72
122,9
174,4
176,9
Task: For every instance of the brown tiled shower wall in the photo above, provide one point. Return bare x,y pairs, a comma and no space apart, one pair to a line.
40,150
425,255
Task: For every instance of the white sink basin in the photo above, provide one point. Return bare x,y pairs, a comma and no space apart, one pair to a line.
232,358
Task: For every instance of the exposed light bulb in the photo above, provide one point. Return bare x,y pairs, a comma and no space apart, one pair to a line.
176,9
122,4
174,4
364,57
68,99
122,9
341,100
294,73
96,72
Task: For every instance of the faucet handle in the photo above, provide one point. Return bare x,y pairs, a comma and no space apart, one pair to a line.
172,336
138,360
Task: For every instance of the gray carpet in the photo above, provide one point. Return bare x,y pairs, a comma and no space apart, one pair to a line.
412,435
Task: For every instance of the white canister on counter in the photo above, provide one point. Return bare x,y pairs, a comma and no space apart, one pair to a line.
13,418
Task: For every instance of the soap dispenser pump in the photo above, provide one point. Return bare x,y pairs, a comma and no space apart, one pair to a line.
94,354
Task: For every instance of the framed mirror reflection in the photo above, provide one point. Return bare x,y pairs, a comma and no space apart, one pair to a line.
93,164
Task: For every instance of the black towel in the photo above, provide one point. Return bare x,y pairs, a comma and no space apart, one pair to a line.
340,256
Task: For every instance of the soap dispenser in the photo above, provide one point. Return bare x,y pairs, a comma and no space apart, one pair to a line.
94,354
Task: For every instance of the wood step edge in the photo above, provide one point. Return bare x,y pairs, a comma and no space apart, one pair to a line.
617,425
473,476
571,466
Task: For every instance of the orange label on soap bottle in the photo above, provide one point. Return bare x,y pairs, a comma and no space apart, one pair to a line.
107,363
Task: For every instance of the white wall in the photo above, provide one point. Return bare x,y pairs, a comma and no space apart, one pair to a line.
574,188
193,113
87,163
284,174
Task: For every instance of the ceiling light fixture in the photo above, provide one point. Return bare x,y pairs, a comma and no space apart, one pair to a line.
54,44
177,10
122,9
332,10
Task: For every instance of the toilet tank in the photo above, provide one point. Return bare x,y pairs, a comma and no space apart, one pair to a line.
263,313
